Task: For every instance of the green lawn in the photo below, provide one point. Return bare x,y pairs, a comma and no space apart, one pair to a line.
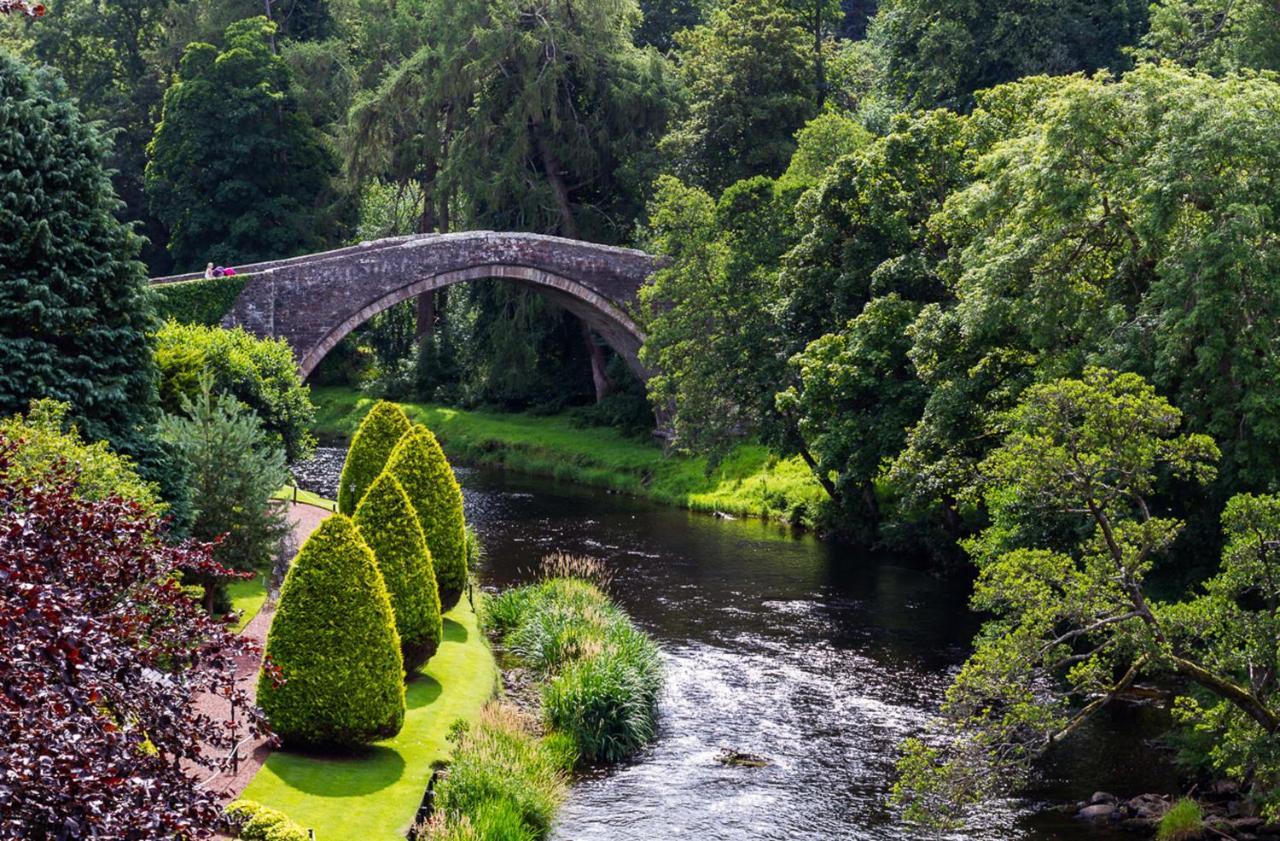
750,482
247,597
291,494
375,794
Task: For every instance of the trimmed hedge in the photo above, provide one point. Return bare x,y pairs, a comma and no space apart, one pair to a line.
251,821
335,643
421,467
389,525
203,301
371,447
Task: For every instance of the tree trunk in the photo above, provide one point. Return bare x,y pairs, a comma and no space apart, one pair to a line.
823,480
599,364
555,177
427,225
426,324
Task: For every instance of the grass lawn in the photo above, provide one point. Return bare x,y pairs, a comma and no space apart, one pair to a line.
374,794
247,597
750,482
289,493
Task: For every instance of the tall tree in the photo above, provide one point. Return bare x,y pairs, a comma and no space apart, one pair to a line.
751,88
1214,35
236,172
1074,535
939,52
664,18
73,294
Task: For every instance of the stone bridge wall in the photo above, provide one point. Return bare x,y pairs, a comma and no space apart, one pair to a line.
316,300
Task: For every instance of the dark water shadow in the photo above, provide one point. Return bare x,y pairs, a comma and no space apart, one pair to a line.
333,774
454,631
421,690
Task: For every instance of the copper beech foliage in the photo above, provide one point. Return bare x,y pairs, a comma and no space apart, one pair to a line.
101,656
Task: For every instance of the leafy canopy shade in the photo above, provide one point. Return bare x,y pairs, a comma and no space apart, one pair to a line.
335,643
421,467
377,436
390,527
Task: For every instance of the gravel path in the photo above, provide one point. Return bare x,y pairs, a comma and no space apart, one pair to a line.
229,784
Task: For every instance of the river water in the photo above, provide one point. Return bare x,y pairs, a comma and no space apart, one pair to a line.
819,657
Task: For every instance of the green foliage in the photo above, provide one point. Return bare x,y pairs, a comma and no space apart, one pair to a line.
73,295
1217,36
712,338
236,173
603,674
47,439
1062,570
503,782
254,822
1183,821
234,468
751,88
259,373
334,641
824,140
663,19
389,526
420,466
370,450
857,395
206,301
939,53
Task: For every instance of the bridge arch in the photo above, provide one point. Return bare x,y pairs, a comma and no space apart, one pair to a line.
315,300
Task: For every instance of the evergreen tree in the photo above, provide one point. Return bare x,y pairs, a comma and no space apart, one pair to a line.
389,525
334,641
370,449
234,470
73,295
420,466
749,72
236,172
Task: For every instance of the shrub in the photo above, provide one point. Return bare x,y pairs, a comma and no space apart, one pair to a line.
205,301
421,467
503,783
390,527
335,644
260,373
608,701
604,675
371,447
251,821
49,444
1183,821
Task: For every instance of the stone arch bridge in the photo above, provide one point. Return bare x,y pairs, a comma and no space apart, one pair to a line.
314,301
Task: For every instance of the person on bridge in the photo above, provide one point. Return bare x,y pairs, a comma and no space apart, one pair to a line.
208,272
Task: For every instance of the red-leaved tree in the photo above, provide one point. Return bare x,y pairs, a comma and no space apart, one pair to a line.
101,656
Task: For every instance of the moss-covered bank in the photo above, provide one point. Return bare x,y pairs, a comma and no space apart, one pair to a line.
751,482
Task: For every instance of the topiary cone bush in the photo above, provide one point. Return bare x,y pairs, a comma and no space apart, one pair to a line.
420,466
389,526
377,436
334,641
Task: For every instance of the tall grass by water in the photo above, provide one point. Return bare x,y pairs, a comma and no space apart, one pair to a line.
601,675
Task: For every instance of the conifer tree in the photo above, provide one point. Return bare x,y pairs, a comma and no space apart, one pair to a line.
377,436
236,172
420,466
389,525
334,641
73,296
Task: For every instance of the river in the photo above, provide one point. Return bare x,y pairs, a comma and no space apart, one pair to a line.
819,657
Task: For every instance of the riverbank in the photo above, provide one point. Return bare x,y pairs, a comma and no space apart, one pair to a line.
751,482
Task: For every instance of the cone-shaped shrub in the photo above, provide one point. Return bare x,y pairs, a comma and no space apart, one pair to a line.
390,527
377,436
419,465
334,640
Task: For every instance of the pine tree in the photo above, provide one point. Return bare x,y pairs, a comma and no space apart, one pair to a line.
377,436
236,172
389,525
76,316
334,641
420,466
